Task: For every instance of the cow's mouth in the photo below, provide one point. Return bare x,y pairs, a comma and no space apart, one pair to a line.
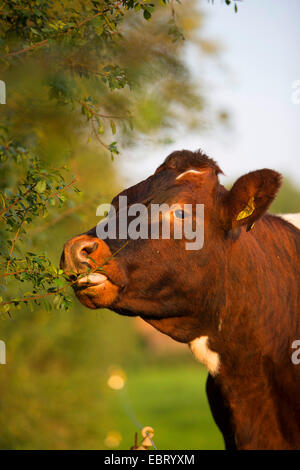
91,280
96,290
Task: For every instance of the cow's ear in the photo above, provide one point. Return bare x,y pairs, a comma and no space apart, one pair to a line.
250,197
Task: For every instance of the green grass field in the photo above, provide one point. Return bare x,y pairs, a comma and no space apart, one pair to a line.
173,401
55,392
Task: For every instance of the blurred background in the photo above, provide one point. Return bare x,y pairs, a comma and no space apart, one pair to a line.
83,379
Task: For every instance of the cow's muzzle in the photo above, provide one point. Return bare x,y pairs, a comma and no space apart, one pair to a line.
93,271
82,254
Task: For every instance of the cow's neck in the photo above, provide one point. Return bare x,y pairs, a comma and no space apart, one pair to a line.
240,351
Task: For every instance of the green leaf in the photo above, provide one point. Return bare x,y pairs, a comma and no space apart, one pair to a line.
100,128
147,15
99,29
41,186
113,127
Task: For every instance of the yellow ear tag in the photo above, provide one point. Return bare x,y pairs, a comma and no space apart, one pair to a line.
250,227
249,209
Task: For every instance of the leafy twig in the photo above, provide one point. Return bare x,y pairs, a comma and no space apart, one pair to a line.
45,42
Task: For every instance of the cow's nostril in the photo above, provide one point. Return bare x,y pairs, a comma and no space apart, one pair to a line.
89,248
78,253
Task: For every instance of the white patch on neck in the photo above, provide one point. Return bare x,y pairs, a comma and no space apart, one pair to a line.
201,351
294,219
198,172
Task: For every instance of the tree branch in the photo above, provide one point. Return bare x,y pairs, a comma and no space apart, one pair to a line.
45,42
95,113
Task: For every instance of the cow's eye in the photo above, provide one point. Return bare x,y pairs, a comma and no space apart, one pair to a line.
179,214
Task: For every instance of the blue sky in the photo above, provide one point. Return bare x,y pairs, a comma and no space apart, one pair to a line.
253,79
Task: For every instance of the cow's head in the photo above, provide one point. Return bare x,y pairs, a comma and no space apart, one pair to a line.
177,290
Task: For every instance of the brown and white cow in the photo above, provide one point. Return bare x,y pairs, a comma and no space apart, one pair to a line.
236,301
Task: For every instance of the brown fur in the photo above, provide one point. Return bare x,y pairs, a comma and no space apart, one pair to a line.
241,290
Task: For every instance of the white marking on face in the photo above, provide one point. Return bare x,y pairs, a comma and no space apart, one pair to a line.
201,351
197,172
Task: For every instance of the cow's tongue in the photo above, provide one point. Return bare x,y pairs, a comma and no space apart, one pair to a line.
92,279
